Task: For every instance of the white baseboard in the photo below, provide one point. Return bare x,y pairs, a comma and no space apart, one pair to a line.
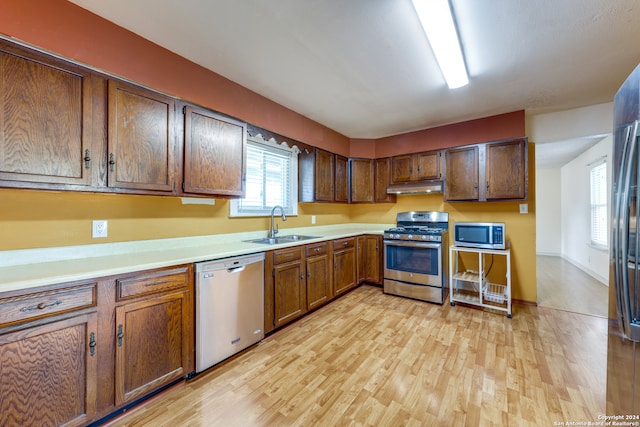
599,278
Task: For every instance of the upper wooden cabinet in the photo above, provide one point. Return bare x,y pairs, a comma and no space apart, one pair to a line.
214,153
142,152
361,177
382,179
462,174
316,175
488,172
416,167
506,171
341,179
45,121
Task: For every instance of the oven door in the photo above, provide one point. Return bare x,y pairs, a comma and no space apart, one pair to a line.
413,262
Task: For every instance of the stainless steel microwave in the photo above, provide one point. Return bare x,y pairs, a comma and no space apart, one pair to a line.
485,235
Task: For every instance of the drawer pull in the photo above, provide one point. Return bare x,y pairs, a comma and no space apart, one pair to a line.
160,282
120,335
346,243
40,306
92,343
317,249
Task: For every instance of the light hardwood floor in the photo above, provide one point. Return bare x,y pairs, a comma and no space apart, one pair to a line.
378,360
564,286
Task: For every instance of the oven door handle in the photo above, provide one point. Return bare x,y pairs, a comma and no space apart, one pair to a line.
413,244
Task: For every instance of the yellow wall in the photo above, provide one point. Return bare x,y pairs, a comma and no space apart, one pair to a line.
31,219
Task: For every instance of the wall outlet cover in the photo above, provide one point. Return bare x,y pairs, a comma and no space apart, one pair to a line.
99,229
524,208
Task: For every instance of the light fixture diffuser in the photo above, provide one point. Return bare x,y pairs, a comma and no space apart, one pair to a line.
437,22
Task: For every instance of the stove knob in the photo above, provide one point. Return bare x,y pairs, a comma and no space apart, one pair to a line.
410,236
397,236
425,237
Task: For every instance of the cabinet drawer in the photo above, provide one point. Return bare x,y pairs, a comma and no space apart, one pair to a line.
317,249
48,303
286,255
152,282
349,242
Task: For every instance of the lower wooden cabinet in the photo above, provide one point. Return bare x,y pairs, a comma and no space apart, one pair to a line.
318,275
73,353
48,373
290,299
344,264
151,345
370,259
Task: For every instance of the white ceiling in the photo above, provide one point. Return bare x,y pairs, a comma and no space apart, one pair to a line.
364,67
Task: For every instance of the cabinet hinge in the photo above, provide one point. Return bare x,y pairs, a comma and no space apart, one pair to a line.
184,109
182,185
273,273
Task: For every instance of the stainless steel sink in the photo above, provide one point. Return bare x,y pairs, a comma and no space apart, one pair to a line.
281,239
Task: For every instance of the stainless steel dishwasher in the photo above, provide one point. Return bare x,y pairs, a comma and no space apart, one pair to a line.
229,307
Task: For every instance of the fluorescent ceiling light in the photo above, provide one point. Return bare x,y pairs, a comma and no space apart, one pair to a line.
437,22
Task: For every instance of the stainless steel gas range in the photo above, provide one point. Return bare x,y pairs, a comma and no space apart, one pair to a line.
415,264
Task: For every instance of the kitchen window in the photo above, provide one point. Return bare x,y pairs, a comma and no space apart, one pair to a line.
271,179
599,204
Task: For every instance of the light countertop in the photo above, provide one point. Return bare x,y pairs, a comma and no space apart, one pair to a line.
28,268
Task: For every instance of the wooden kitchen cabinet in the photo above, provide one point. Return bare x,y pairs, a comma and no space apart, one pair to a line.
45,122
488,172
416,167
48,349
290,290
344,265
462,174
341,179
153,331
316,175
382,179
141,141
506,170
214,153
318,266
361,178
369,259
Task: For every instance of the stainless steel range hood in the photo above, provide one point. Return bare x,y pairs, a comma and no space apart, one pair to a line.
418,187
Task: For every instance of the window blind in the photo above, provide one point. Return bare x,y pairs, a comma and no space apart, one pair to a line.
599,229
271,179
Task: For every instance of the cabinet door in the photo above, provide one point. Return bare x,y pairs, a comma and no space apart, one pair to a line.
373,260
214,153
362,182
152,345
428,165
141,139
462,174
382,179
318,281
290,292
341,179
506,170
48,374
324,176
344,265
45,122
401,168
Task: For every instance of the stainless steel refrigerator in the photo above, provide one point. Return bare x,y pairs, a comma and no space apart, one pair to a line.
623,356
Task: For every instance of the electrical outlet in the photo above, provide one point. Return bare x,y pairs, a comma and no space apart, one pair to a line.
524,208
99,229
313,219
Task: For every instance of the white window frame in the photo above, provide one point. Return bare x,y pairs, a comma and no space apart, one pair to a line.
290,206
598,227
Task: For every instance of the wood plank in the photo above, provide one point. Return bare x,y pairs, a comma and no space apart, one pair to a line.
375,359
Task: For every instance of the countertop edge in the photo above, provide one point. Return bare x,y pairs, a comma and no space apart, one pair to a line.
78,263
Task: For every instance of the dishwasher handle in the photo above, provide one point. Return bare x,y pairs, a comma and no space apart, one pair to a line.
236,269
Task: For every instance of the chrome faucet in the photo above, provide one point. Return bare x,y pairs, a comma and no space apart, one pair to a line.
274,230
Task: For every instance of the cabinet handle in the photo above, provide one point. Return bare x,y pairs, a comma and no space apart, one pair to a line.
346,243
487,185
87,159
92,343
40,306
317,249
160,282
112,162
308,274
301,276
120,335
